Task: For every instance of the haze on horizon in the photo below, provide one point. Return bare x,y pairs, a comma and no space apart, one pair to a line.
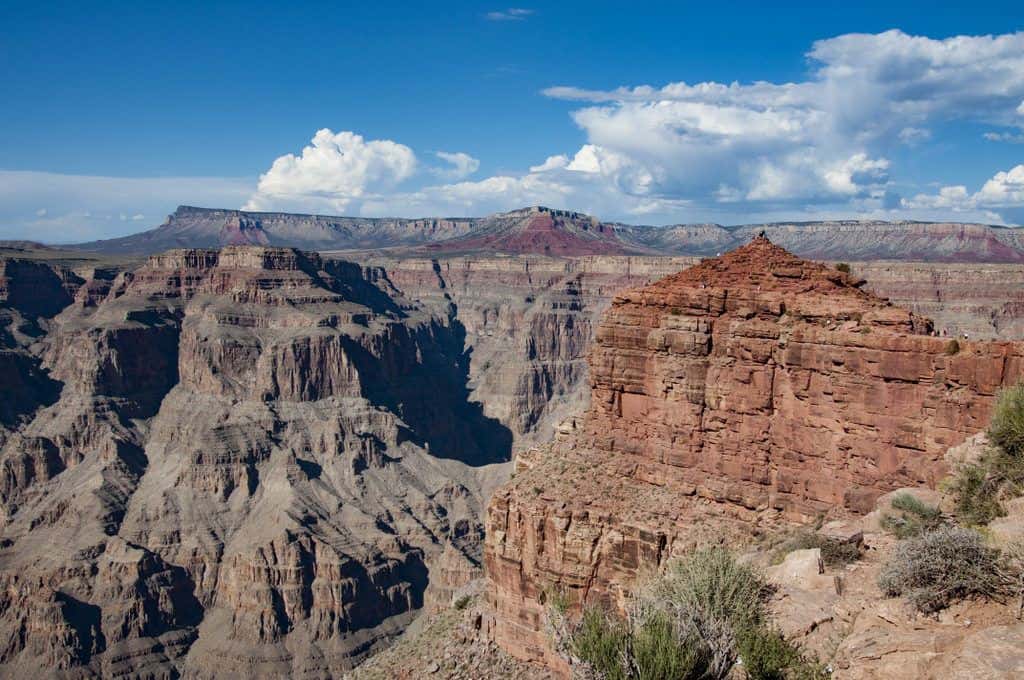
118,113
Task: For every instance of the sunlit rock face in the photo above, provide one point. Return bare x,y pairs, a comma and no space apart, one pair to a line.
749,389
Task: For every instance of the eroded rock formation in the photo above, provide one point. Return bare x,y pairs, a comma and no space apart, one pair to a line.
747,390
249,464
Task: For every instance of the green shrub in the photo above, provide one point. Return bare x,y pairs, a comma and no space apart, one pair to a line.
462,602
658,653
601,640
713,582
843,267
1006,428
942,566
692,622
978,488
914,517
834,553
952,348
768,655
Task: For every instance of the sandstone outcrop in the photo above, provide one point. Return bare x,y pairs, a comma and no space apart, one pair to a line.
250,462
530,320
747,390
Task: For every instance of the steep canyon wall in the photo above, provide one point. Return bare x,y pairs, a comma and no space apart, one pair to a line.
752,390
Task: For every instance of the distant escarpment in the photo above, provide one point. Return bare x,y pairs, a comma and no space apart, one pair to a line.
563,233
244,462
750,390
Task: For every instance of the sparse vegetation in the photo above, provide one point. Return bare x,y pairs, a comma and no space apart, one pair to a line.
843,267
768,655
952,348
912,517
978,488
695,621
1006,428
834,553
462,602
942,566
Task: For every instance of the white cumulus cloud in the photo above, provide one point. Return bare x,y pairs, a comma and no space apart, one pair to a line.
1002,194
334,170
460,165
817,141
825,145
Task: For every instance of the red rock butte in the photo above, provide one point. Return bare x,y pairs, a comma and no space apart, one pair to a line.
754,387
541,230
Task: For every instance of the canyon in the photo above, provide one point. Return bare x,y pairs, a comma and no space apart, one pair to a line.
728,400
239,459
265,460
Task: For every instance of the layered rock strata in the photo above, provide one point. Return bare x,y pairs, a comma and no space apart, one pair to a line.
530,320
252,464
747,390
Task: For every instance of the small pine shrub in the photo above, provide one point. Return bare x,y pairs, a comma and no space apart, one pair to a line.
843,267
942,566
952,348
462,602
913,517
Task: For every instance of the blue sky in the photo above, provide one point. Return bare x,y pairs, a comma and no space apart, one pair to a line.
114,113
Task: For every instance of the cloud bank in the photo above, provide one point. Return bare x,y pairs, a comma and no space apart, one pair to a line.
827,146
819,147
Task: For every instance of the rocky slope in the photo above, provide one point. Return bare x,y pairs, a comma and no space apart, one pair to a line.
242,462
750,390
540,231
530,319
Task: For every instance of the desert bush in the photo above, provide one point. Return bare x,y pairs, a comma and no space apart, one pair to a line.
976,489
843,267
1006,428
600,640
462,602
952,348
942,566
979,487
658,652
834,553
768,655
914,517
694,621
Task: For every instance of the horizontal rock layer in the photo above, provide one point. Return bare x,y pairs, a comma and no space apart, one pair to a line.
251,461
750,389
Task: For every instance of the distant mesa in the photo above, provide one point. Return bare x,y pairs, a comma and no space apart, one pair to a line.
561,233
